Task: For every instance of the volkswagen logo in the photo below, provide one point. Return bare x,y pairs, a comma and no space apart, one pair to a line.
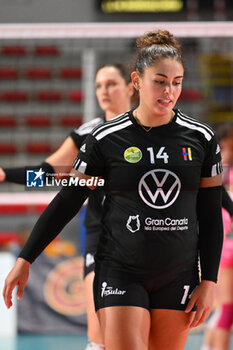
159,188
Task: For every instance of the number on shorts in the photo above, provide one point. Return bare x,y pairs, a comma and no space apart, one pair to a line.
186,291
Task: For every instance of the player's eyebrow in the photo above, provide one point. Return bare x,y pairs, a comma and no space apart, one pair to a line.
163,75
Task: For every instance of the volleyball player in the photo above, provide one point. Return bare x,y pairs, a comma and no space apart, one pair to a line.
219,326
162,174
114,93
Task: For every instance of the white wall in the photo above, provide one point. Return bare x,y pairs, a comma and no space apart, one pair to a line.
8,317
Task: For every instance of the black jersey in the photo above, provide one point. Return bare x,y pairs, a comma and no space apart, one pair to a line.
79,134
151,184
93,215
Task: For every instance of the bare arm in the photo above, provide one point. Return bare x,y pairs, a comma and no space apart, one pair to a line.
2,175
211,181
18,276
62,160
60,163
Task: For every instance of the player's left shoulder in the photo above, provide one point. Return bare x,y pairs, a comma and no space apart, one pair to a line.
195,124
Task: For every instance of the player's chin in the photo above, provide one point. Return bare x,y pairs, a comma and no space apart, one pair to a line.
104,105
164,110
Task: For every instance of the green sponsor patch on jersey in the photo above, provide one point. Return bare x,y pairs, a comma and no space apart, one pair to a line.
133,154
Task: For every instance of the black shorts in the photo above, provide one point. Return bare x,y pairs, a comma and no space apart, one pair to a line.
92,239
125,291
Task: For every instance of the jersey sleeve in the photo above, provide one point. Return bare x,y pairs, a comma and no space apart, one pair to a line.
79,134
78,139
212,164
90,159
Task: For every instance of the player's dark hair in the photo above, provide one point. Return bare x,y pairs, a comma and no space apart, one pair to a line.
125,72
154,46
122,68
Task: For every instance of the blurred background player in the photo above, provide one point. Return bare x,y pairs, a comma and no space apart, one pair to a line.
218,331
115,95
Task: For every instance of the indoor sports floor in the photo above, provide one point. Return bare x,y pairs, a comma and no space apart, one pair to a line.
71,342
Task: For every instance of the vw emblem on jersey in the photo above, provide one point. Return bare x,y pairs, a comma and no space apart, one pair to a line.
159,188
133,154
133,223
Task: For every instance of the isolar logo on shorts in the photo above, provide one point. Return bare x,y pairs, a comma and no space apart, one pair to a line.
133,154
159,188
107,290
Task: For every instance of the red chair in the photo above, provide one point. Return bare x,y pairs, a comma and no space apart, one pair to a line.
48,96
14,96
7,148
38,73
75,96
13,50
20,209
71,120
70,73
9,237
38,121
7,121
8,73
190,95
46,50
38,148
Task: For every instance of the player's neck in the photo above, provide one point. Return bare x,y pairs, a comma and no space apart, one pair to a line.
144,117
111,114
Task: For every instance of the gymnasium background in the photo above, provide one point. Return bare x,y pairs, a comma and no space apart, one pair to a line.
49,53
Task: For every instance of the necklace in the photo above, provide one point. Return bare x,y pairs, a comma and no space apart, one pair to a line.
148,128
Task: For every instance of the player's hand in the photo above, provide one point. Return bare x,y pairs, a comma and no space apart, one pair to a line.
18,276
2,175
203,298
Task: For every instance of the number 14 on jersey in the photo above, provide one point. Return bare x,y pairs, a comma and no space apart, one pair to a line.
160,155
